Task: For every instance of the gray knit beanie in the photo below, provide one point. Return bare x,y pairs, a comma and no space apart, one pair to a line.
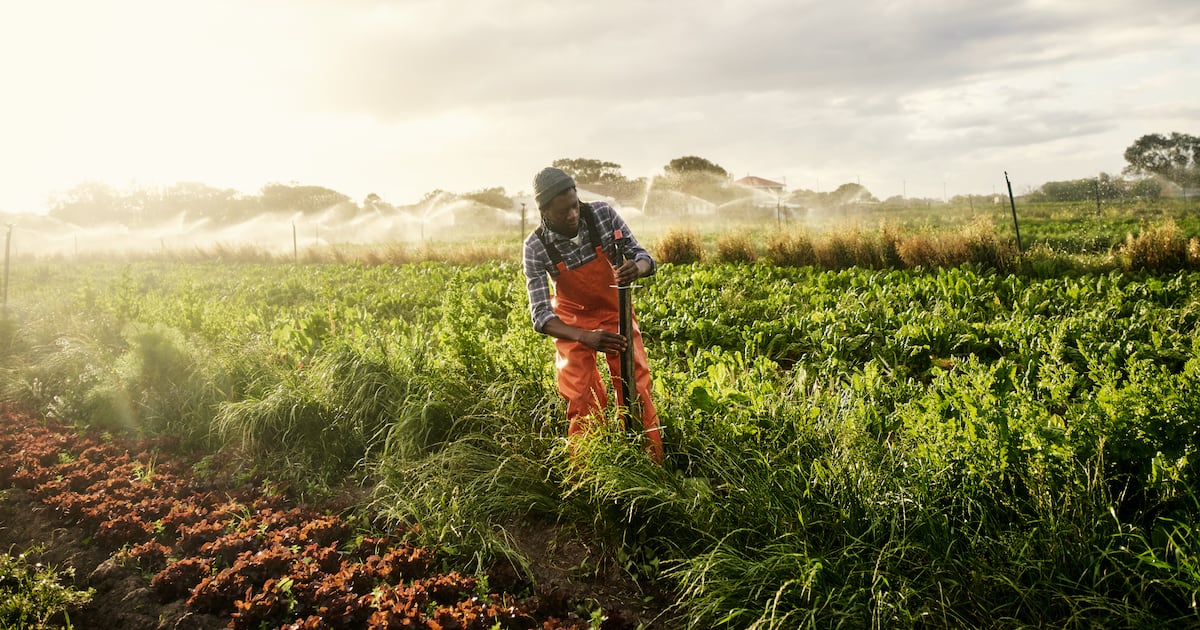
549,183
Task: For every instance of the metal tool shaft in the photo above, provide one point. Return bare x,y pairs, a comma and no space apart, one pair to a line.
627,377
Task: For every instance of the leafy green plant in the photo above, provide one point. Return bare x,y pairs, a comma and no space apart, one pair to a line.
33,595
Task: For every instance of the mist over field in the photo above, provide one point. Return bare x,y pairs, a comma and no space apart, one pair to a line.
441,217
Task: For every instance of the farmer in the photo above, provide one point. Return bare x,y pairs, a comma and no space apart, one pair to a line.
573,246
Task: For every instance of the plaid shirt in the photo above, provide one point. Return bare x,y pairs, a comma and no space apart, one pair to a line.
539,269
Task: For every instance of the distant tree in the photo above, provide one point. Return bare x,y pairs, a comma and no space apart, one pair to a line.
603,178
90,203
1175,158
437,194
1071,190
1104,186
851,193
589,171
698,177
691,164
374,203
494,197
844,195
1109,187
193,200
302,199
1148,188
806,197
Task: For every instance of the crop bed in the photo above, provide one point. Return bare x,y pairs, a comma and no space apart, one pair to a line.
237,556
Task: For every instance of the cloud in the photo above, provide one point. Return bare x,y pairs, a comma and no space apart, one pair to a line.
430,57
400,98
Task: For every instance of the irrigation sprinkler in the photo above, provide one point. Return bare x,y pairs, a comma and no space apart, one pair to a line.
1012,202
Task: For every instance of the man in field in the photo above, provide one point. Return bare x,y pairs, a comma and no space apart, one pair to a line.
573,248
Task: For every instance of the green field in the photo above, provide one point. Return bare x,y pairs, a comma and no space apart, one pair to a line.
958,446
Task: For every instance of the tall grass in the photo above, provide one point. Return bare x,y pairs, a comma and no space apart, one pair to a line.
927,448
679,246
1162,247
736,247
791,249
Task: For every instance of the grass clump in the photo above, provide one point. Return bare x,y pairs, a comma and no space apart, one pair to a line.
1159,248
977,243
680,246
736,247
792,249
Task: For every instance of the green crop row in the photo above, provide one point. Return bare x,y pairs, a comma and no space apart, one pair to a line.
867,448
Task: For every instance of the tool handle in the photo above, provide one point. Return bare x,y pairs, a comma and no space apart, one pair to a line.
625,328
618,257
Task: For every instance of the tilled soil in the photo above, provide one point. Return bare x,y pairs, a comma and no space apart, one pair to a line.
164,550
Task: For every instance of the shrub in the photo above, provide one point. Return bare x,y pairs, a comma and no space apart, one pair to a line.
736,247
920,250
680,246
982,246
976,243
888,248
1156,248
791,250
838,251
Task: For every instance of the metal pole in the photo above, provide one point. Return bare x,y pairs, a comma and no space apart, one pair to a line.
295,247
631,417
1012,202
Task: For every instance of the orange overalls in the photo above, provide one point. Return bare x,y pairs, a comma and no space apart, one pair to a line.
586,298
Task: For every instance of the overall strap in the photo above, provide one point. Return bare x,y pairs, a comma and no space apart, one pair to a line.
552,251
589,217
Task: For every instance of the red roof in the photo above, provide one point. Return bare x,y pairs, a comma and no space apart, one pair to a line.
758,182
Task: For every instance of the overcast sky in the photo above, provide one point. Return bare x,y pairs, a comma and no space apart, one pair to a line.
922,98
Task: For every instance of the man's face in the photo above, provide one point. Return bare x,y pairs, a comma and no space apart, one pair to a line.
562,214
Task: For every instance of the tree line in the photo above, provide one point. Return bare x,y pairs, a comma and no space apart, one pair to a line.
1155,163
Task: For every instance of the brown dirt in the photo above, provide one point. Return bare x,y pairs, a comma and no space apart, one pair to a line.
563,564
122,594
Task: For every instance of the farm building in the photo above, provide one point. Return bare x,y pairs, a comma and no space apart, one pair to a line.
761,184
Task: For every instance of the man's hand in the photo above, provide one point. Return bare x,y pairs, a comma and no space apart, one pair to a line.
628,272
598,340
603,341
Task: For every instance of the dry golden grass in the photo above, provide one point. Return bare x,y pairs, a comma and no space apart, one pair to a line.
679,246
736,247
1158,247
1162,247
791,249
977,243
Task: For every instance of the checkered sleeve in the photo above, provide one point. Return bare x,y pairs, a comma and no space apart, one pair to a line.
537,281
